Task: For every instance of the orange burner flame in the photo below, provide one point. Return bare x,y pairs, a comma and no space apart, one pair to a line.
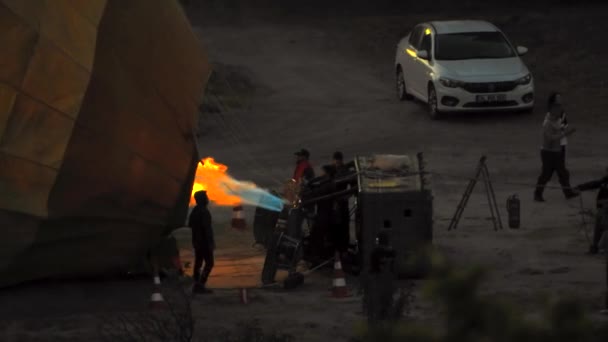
212,177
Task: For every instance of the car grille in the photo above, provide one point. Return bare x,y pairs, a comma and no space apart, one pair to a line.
489,87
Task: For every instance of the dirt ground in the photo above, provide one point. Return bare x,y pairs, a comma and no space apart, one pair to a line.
327,84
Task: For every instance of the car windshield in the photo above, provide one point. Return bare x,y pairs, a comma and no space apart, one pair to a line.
472,45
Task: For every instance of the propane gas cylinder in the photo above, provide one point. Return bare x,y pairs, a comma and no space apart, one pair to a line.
513,209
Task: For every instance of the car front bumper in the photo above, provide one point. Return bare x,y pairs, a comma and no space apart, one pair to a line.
461,100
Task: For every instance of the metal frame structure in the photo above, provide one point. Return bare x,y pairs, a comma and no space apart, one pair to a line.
409,208
481,171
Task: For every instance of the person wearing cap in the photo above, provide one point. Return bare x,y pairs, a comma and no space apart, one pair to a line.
202,240
338,158
304,170
601,222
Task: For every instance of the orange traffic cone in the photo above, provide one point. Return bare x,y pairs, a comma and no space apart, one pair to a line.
157,301
339,289
238,218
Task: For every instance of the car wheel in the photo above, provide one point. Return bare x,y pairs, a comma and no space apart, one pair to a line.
401,88
433,104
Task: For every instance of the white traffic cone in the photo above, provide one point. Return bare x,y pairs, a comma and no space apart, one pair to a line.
156,300
339,289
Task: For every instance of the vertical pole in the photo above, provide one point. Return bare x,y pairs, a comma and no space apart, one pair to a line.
421,170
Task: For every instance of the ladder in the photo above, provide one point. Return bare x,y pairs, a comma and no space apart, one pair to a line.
481,171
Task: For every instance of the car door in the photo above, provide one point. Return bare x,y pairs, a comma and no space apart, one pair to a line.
410,61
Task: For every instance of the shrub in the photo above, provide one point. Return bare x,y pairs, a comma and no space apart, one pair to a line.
468,316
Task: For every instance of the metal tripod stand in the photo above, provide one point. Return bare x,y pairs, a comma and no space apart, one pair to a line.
481,171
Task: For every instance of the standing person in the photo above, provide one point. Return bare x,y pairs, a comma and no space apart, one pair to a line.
601,222
322,228
203,241
555,104
343,215
304,170
551,156
339,162
302,175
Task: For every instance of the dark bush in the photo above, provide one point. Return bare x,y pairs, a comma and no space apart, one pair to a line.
468,316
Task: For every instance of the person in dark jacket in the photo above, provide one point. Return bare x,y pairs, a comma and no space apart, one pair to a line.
551,156
601,222
202,240
338,158
325,214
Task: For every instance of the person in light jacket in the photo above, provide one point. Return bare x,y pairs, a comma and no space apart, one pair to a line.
551,156
555,104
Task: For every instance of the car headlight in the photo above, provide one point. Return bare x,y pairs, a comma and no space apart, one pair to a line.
446,82
524,80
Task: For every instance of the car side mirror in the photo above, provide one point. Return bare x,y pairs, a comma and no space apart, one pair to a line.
522,50
423,54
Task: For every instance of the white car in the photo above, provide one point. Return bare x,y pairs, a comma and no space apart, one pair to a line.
465,65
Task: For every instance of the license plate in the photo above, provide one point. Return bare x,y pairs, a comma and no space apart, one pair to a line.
491,98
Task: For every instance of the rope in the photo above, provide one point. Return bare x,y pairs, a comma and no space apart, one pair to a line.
231,135
381,174
236,129
308,272
582,212
312,270
521,184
